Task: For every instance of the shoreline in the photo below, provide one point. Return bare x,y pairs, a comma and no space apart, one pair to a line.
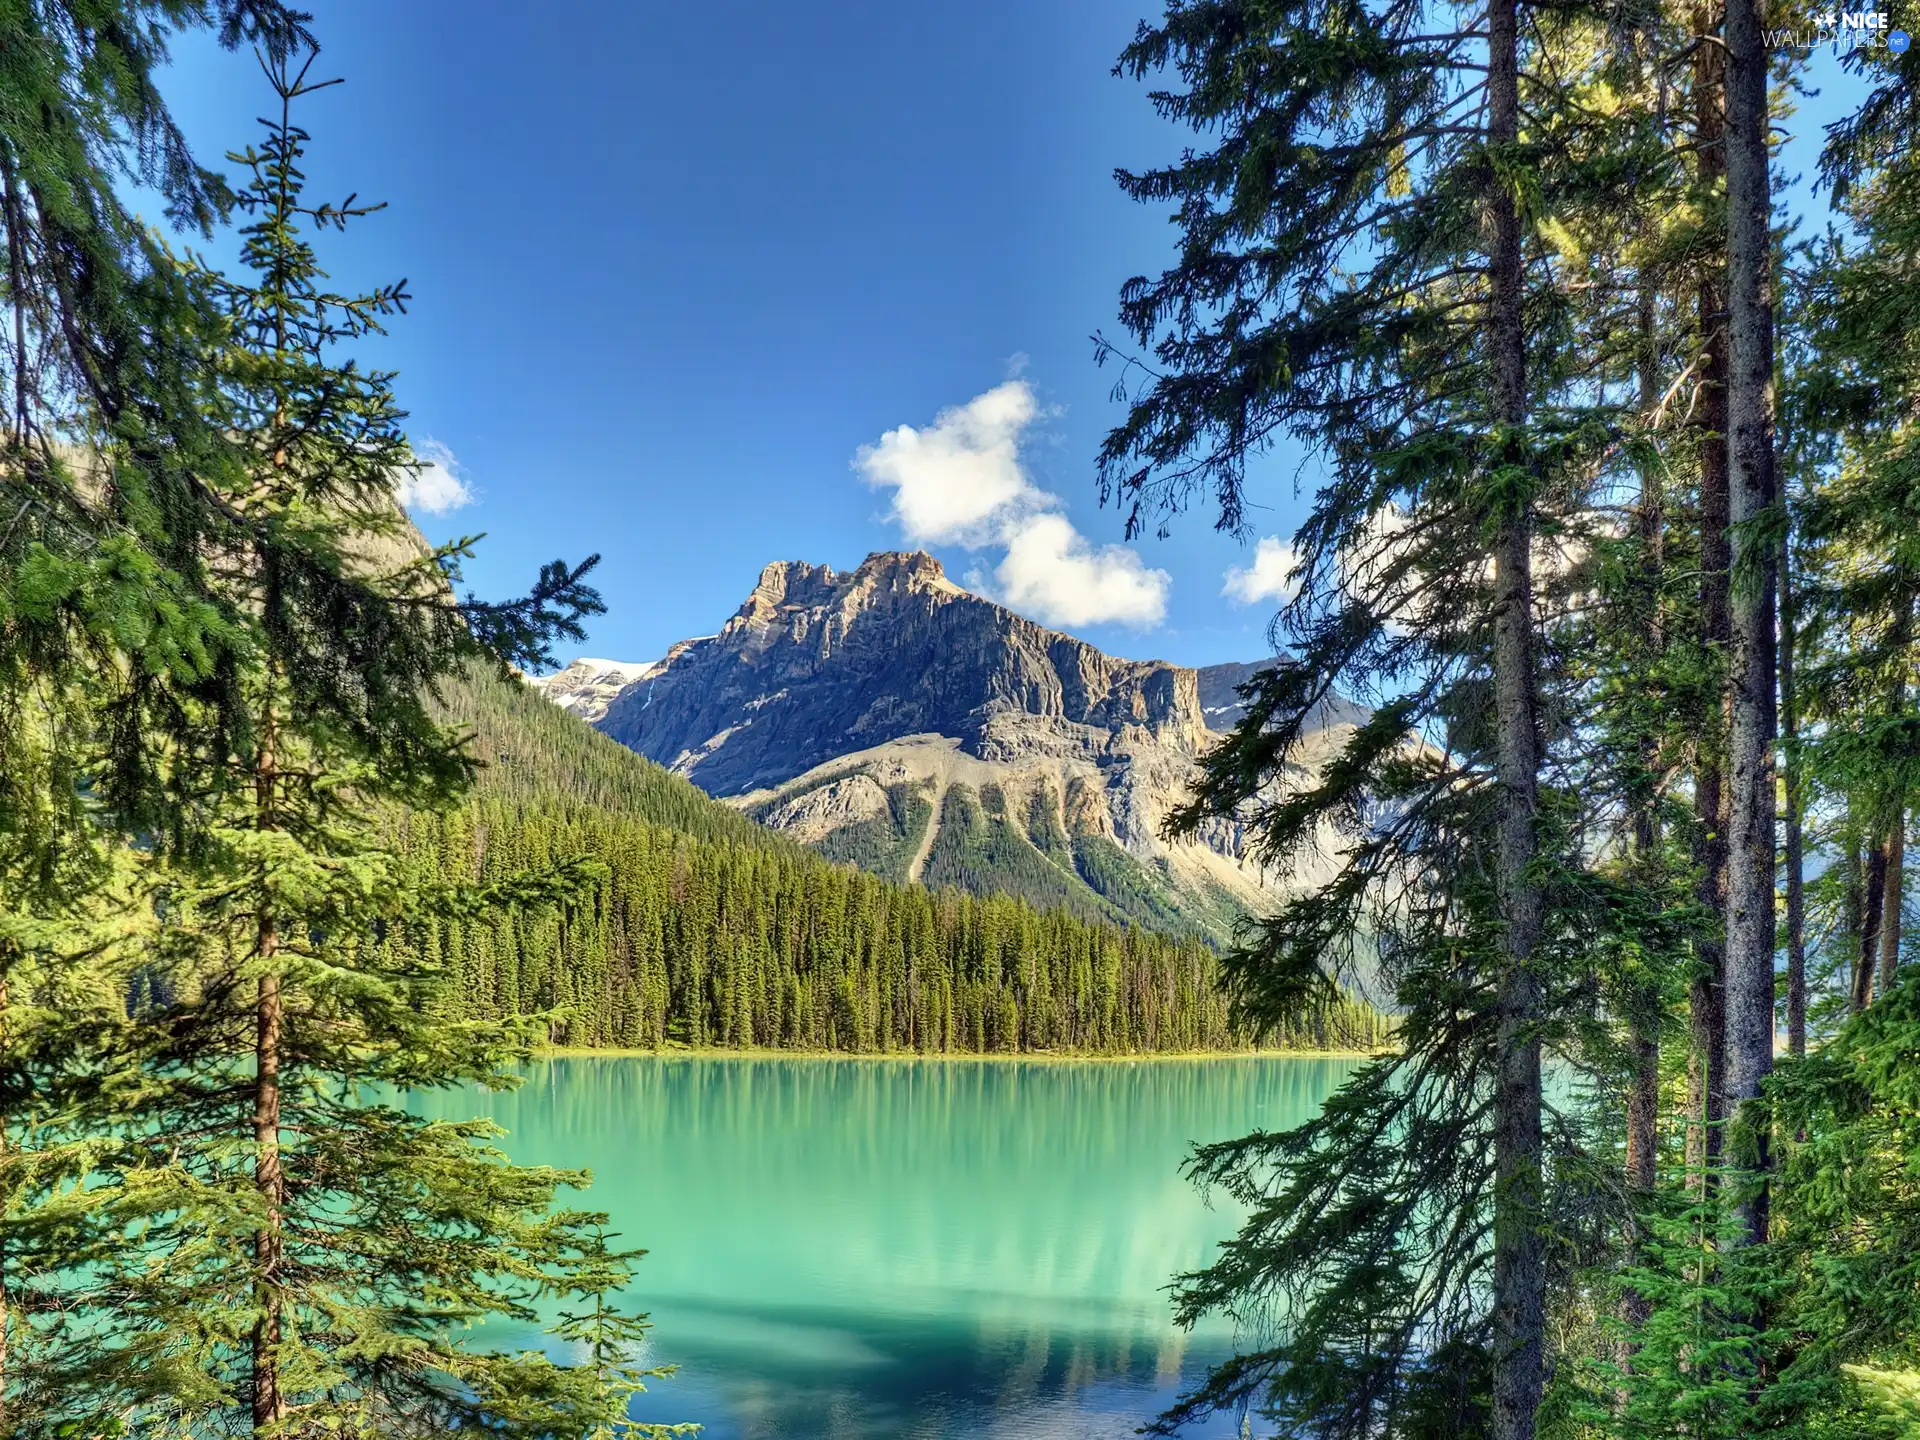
1040,1057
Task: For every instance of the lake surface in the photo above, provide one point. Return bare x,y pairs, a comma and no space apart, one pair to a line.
848,1249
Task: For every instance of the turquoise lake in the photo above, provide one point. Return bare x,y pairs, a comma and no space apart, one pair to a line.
914,1248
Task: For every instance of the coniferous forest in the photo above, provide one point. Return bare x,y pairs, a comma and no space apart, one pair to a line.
1613,525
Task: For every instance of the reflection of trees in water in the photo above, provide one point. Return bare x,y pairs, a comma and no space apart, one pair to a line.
901,1240
939,1379
1107,1098
1048,1187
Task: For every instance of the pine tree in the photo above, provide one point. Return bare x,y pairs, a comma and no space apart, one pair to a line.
106,623
1749,1019
1371,261
282,1244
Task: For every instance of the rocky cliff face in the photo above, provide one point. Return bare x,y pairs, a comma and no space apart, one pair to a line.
587,687
891,718
1220,699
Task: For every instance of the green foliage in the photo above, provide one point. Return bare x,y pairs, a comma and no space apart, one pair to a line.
609,1337
1132,892
1896,1393
978,848
886,844
1435,308
1693,1366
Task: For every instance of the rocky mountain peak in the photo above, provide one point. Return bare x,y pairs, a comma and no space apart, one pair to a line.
794,584
816,662
588,686
890,716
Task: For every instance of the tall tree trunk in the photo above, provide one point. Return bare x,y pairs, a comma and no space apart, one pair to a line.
1896,866
1519,1255
1750,464
1643,1095
19,285
19,442
1890,906
1864,893
268,1176
1873,909
1795,843
1705,1060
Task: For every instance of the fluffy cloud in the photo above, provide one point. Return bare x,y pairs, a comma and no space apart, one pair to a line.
1051,570
960,482
436,487
1267,578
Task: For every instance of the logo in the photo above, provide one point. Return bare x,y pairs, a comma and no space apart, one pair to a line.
1844,30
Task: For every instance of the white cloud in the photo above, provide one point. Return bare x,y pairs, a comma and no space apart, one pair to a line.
436,487
960,482
1051,570
1267,578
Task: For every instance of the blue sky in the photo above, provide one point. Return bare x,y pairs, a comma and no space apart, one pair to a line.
675,265
681,272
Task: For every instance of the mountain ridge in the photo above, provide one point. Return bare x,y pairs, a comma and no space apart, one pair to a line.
887,716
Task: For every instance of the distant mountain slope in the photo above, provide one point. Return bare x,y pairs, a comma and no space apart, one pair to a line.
1221,704
705,928
587,687
888,717
537,756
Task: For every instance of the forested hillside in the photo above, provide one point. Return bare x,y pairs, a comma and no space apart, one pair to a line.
705,929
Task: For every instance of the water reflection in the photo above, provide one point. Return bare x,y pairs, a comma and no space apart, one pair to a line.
903,1247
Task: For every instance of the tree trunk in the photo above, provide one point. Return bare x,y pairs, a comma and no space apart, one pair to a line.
19,286
1706,1060
268,1177
1750,407
1894,898
1643,1018
1866,881
1519,1256
1795,844
1873,906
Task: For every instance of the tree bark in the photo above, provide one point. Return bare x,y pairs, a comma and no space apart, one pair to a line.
1643,1094
1519,1256
268,1176
1706,1059
1890,907
1795,844
1866,886
1750,464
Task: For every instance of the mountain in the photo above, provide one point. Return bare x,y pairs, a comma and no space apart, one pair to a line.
697,926
888,717
1220,700
694,925
587,687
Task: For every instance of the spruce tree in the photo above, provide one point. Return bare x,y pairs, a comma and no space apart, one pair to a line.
273,1241
108,629
1372,261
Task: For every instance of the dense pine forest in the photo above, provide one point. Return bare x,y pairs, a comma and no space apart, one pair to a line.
700,928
